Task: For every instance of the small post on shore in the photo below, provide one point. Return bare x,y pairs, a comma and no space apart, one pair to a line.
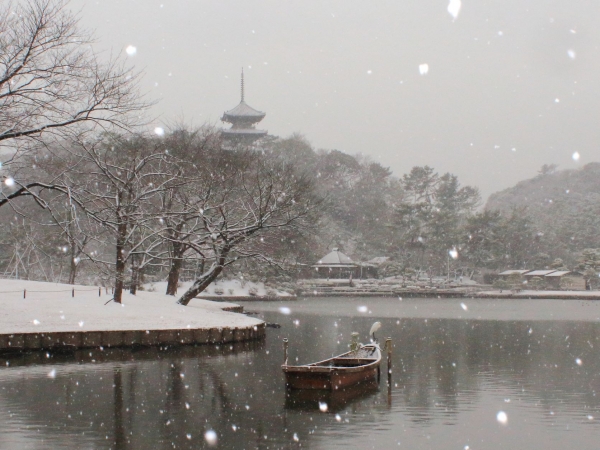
285,351
99,291
73,292
24,293
388,346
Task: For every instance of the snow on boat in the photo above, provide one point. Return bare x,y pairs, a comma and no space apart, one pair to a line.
356,366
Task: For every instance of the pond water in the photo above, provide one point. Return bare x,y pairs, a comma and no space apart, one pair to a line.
467,374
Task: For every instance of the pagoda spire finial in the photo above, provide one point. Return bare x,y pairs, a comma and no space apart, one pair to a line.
242,84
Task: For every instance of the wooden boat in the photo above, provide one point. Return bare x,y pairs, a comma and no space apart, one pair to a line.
347,369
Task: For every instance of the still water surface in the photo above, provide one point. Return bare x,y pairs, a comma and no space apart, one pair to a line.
468,374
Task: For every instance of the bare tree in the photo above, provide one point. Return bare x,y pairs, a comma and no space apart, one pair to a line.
254,194
182,204
115,182
52,83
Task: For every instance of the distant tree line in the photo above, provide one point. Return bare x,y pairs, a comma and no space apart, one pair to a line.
87,195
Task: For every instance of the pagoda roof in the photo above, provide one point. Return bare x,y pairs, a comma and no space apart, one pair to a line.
244,131
243,111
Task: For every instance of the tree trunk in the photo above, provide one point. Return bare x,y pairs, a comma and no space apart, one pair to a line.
205,279
120,262
135,275
73,248
200,284
73,264
176,263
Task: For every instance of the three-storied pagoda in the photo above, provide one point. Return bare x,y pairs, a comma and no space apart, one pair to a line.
243,119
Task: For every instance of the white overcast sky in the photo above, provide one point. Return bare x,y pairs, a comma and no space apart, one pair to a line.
512,84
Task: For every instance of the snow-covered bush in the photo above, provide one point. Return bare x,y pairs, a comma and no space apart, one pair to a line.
219,290
231,291
253,291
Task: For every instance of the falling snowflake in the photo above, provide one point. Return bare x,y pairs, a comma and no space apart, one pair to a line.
131,50
578,361
575,156
501,417
52,373
463,306
9,182
159,131
453,253
323,407
210,437
571,54
423,69
36,322
454,8
285,310
362,309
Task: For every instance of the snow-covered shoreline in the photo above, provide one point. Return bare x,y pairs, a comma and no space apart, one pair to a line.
52,308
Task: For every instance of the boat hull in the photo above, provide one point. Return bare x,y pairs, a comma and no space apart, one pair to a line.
331,381
336,373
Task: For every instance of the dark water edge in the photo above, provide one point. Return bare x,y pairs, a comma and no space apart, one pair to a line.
451,378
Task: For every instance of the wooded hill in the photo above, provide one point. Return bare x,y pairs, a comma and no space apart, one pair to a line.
563,206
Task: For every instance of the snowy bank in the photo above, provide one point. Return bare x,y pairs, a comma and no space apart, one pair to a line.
87,320
227,289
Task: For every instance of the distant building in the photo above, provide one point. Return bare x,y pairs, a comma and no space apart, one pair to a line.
370,269
243,119
512,274
508,273
552,279
335,265
565,279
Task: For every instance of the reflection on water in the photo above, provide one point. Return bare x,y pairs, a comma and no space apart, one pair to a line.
451,377
311,400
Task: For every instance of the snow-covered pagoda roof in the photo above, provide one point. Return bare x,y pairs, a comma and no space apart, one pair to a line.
335,258
243,111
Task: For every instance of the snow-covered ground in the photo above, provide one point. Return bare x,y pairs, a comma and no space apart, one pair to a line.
50,307
226,288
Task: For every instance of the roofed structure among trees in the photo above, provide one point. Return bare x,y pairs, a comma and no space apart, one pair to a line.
243,119
336,265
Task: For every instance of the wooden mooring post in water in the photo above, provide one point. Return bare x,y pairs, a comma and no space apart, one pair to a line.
388,347
285,351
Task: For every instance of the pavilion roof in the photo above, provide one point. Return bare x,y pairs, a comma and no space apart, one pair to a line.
334,258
